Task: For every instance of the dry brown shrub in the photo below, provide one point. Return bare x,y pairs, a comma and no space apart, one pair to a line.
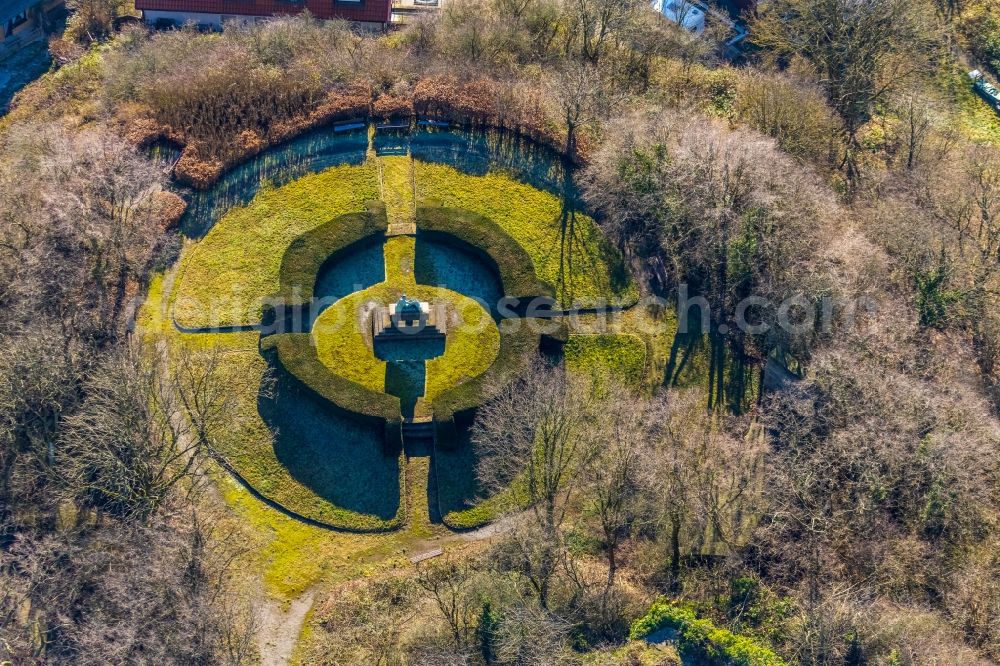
248,142
196,170
477,103
168,209
390,106
64,50
349,103
485,102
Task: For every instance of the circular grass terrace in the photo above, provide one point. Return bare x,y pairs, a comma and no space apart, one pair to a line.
334,354
341,335
322,440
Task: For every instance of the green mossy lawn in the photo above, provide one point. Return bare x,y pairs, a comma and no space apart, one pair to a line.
343,343
609,354
280,440
282,443
570,254
224,278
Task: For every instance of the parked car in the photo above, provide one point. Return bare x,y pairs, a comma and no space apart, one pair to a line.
985,89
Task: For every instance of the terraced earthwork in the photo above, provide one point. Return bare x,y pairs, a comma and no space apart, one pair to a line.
290,256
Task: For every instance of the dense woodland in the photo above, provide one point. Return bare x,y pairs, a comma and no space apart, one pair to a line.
847,518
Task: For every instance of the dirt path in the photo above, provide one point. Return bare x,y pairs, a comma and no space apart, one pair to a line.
279,629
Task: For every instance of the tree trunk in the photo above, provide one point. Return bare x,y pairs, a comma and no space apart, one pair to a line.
675,549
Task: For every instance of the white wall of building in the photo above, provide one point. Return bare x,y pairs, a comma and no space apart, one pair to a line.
683,12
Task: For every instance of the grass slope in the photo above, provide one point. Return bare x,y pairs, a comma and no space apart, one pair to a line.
281,443
280,440
225,276
581,265
343,344
397,188
976,120
608,354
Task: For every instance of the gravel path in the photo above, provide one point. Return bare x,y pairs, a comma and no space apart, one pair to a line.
280,628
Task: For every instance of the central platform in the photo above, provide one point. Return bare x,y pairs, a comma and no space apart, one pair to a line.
409,319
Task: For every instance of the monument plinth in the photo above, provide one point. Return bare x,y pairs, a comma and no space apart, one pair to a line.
409,318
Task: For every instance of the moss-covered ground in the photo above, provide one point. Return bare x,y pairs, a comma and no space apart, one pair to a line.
344,345
607,355
973,117
288,446
224,277
343,341
396,186
566,246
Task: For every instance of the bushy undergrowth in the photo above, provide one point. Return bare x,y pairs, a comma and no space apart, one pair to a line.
700,639
271,74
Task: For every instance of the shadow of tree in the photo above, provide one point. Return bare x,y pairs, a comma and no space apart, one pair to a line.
576,255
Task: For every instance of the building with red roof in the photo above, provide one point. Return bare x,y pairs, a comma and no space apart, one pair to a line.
213,13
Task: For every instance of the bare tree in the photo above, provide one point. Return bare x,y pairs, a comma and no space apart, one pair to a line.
957,202
87,202
864,461
528,439
795,113
598,22
583,96
107,593
621,422
701,477
726,215
144,428
39,385
861,51
530,636
449,582
124,451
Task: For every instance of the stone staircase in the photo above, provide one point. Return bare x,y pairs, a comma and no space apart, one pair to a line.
418,433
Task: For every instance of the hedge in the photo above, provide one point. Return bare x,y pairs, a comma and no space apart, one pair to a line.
485,238
298,356
700,639
518,337
306,254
